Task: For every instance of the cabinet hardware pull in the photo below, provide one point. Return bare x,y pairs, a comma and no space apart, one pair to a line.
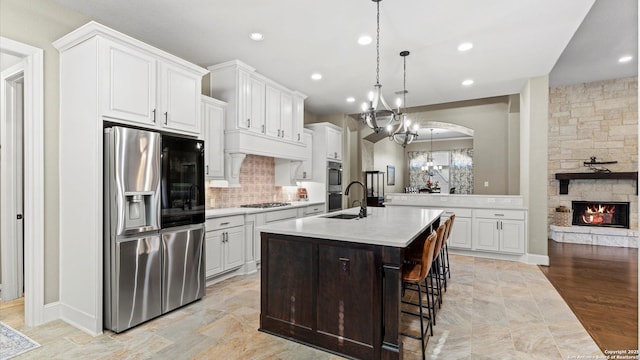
166,117
263,129
498,214
249,123
224,223
207,169
345,264
497,225
282,133
335,155
298,136
278,132
154,115
500,225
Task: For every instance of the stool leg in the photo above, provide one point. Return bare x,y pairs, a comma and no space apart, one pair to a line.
446,249
421,320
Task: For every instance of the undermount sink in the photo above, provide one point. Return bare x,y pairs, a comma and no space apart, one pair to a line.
343,216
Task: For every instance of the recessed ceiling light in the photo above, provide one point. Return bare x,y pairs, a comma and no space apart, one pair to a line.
364,40
625,59
465,46
256,36
351,99
467,82
316,76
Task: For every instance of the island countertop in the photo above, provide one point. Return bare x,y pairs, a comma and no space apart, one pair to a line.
387,226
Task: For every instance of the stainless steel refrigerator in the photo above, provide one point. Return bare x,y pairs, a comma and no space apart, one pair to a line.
149,268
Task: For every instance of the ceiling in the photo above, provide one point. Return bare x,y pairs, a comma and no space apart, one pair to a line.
512,41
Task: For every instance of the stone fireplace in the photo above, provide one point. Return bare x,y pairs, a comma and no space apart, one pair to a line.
600,213
586,120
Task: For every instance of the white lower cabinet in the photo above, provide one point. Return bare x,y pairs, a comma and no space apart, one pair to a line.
501,231
224,244
268,218
460,237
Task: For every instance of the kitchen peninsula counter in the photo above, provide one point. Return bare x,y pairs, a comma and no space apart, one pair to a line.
335,284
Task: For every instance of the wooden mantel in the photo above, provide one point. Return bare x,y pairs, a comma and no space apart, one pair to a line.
564,178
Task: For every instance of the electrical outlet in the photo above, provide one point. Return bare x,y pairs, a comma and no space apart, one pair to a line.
486,184
212,203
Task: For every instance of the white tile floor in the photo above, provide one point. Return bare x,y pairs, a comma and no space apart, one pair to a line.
492,310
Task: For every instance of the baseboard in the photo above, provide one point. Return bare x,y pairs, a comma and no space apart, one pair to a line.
79,319
535,259
51,312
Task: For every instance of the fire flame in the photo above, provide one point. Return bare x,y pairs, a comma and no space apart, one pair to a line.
598,214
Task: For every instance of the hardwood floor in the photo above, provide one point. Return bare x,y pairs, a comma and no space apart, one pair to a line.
600,285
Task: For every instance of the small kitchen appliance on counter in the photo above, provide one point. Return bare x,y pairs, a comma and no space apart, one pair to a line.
153,225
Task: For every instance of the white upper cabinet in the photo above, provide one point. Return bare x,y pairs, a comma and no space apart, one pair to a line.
129,82
256,103
305,171
334,144
298,117
250,97
180,98
213,113
144,88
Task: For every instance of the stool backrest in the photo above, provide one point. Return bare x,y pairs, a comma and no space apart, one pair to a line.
440,238
427,254
452,218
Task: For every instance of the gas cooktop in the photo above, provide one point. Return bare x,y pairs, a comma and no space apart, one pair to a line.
266,205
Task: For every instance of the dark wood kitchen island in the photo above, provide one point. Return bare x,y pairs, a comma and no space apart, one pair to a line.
335,284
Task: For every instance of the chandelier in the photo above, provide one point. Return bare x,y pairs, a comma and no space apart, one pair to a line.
405,133
370,112
430,166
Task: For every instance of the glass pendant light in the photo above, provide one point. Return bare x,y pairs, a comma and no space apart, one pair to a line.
370,113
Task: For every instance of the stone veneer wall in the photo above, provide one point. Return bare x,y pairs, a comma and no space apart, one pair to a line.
594,119
257,179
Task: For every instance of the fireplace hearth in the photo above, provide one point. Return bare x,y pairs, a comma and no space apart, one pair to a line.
601,213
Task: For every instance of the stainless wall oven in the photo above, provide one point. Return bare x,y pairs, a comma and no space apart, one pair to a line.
334,186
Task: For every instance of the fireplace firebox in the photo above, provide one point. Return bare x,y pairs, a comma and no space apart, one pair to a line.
601,213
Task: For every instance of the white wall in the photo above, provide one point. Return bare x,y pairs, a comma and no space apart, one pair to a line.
39,23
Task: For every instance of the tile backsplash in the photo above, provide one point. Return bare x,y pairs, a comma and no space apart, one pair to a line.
257,185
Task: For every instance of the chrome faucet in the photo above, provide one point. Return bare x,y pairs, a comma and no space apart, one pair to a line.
363,203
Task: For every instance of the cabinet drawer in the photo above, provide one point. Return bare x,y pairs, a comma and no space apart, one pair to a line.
280,215
465,213
224,222
500,214
314,209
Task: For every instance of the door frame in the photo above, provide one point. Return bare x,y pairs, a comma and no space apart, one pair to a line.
33,163
11,99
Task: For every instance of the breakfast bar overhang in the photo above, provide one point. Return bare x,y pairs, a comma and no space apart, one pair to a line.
335,283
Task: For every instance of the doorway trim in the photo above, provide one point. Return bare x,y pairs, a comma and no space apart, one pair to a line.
11,183
33,177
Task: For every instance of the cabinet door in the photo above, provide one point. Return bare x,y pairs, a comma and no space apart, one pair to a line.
298,118
461,234
334,144
234,247
129,84
257,111
273,112
213,125
244,100
347,279
286,116
180,99
512,236
486,234
305,170
213,252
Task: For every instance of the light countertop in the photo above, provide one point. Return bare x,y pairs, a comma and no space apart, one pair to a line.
213,213
389,226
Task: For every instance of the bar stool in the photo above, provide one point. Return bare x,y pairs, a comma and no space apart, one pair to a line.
436,265
446,247
413,274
